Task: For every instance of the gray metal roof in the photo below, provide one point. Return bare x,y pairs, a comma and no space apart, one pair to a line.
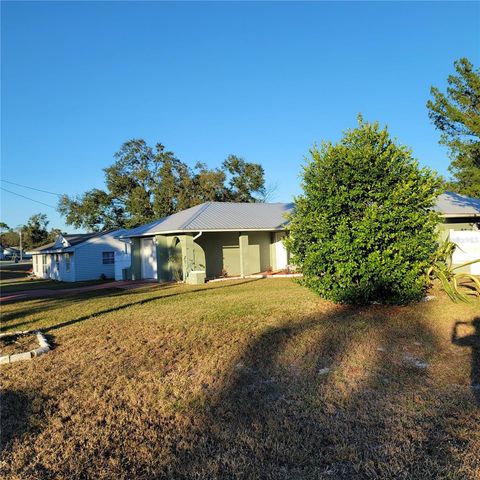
74,240
451,204
219,216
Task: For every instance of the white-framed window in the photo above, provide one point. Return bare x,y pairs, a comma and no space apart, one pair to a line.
67,262
57,261
44,263
108,258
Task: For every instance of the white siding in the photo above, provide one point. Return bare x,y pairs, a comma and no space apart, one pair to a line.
86,261
88,258
468,249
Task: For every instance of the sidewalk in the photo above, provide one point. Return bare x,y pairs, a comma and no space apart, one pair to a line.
50,293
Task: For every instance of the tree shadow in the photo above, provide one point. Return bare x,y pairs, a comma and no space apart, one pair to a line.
57,302
14,413
144,301
471,341
257,420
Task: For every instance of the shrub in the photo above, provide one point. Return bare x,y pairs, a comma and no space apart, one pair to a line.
364,229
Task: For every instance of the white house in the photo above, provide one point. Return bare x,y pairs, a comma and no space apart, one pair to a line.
89,256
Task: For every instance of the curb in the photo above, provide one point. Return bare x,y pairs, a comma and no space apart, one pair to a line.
44,347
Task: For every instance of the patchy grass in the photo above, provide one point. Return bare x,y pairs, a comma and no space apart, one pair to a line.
227,381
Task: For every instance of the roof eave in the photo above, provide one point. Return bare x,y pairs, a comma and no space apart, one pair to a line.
460,215
205,230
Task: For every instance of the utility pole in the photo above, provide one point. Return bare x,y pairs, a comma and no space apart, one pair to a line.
21,246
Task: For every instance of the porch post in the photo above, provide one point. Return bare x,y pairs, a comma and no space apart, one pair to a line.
243,242
163,268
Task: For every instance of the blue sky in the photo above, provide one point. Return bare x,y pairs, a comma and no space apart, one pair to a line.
260,80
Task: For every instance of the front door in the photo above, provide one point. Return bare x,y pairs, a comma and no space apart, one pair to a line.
149,258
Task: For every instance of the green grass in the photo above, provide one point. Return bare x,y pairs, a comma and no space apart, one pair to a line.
11,286
222,381
14,278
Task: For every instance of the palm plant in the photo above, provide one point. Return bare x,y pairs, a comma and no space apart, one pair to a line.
459,286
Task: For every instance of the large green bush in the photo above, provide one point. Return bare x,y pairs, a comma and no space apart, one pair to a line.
364,229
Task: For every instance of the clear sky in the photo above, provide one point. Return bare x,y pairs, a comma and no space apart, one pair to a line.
260,80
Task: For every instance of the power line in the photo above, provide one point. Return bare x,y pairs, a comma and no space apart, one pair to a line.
28,198
31,188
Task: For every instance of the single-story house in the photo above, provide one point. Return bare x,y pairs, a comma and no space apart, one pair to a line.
461,224
213,239
78,257
239,239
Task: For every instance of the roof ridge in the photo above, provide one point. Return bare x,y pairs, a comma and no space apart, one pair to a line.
202,208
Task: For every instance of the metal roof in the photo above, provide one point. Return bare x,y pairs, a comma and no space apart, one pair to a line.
74,240
451,204
219,216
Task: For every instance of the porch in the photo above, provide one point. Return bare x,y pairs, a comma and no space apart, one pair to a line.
218,254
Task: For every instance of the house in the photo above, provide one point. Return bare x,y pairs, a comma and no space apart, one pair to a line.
211,240
461,224
79,257
217,239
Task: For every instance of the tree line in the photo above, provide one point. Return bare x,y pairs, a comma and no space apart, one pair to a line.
34,233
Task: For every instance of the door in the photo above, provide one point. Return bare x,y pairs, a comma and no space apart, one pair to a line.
280,252
149,258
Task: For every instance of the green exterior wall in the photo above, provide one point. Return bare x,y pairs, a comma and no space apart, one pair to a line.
221,252
230,253
218,253
456,224
136,268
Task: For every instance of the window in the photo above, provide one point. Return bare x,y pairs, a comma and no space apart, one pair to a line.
108,258
57,260
67,262
44,264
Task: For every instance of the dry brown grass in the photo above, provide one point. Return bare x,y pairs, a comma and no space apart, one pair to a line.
223,381
18,343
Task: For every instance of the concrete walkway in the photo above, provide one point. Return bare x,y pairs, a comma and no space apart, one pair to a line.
64,292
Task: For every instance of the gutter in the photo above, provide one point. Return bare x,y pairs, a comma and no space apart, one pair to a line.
213,230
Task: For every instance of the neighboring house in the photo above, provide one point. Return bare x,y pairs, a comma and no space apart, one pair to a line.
461,224
219,239
73,258
10,253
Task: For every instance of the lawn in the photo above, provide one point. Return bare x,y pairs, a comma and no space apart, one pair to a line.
230,380
14,278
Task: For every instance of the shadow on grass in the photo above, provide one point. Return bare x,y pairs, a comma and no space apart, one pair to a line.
56,303
299,424
14,413
471,341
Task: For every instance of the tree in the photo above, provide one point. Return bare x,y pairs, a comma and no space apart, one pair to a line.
145,184
35,231
364,228
457,115
95,210
246,179
9,237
